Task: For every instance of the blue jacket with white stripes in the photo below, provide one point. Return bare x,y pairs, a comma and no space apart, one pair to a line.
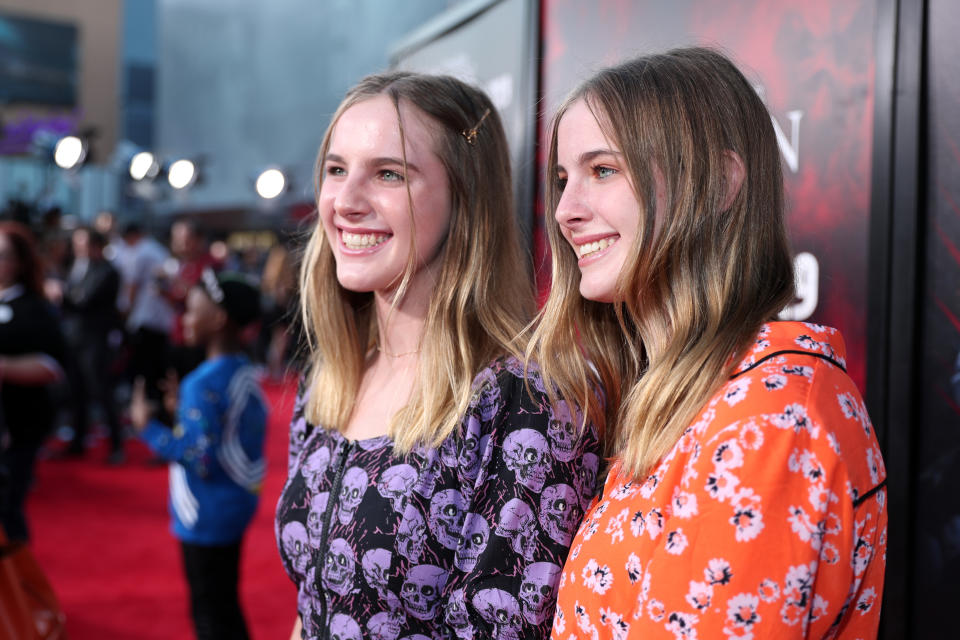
215,451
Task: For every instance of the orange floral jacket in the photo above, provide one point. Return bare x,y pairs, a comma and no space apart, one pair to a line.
766,520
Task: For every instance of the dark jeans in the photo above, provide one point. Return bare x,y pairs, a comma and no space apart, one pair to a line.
213,575
90,379
18,462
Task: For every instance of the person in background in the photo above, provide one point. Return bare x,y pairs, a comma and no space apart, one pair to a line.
432,487
90,317
215,449
149,319
747,492
31,353
281,329
189,246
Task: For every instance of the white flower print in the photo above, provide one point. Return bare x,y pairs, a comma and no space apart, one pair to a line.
637,524
597,578
805,529
873,464
736,391
634,568
590,526
623,492
795,417
650,485
699,595
615,526
796,593
705,421
728,455
819,328
820,497
798,370
818,608
862,552
768,590
676,542
742,610
829,554
575,551
806,463
618,626
656,610
751,437
683,625
747,516
559,622
718,571
683,504
654,523
774,382
583,621
833,442
722,485
866,600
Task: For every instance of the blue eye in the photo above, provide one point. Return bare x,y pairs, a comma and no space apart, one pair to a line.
561,183
388,175
334,170
602,172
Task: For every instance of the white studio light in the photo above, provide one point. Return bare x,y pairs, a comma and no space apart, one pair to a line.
69,152
144,165
182,174
271,184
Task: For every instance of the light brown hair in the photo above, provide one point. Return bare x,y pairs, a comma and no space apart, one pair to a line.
483,293
701,277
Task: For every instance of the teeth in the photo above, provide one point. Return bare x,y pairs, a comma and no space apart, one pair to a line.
599,245
363,240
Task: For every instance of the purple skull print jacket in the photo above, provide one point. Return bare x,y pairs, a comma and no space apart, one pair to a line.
466,540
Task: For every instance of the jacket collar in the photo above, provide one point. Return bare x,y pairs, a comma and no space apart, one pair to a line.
795,337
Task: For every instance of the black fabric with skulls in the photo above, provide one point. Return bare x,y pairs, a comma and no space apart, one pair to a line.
461,541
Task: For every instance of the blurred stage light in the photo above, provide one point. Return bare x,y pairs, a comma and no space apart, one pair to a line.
271,183
70,152
144,166
182,174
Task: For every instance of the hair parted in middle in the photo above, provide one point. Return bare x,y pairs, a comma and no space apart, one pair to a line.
703,273
483,297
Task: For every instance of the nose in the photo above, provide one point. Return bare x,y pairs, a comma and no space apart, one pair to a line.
572,209
349,199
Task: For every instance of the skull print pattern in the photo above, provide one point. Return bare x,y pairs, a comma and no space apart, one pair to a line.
465,538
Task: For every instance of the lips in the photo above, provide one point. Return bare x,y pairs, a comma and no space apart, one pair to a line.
592,248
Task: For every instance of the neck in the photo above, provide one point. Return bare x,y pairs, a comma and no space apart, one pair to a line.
221,345
400,328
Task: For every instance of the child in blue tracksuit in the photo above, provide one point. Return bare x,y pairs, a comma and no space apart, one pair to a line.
215,451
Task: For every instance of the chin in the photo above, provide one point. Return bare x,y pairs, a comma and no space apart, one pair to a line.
598,294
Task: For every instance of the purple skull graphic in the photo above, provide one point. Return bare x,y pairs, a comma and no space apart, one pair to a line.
411,534
501,610
421,591
560,432
457,616
386,625
560,512
429,472
351,493
293,539
538,591
585,479
476,535
343,627
518,522
339,567
527,453
447,510
315,466
318,507
473,449
395,483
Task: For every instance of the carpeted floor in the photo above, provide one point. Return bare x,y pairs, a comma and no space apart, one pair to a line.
101,534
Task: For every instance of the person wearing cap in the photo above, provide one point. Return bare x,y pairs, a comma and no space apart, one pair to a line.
215,449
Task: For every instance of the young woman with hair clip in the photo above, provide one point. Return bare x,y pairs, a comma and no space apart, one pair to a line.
433,489
746,491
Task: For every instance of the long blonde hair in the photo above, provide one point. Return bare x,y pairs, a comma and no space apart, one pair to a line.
701,277
483,294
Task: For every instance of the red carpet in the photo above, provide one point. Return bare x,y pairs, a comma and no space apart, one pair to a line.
101,534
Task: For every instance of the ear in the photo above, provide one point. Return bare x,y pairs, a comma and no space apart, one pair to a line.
733,174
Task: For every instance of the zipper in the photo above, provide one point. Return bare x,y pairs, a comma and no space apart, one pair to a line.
344,449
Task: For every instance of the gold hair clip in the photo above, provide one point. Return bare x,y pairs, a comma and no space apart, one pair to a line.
471,135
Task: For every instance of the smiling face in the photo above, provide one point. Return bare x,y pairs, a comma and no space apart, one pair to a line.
598,212
366,194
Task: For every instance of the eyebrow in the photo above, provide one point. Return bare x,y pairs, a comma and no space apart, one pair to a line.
588,156
377,162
